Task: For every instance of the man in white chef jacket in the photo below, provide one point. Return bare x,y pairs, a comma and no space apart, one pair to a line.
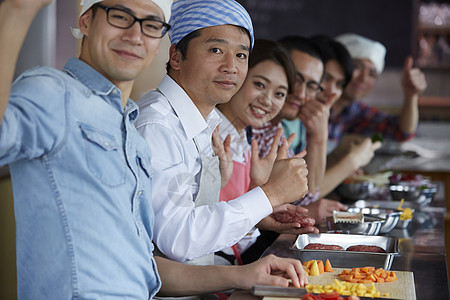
211,42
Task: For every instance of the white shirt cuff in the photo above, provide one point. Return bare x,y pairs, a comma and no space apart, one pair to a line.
256,205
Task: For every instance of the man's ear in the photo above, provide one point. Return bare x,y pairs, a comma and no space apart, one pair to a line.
175,57
84,22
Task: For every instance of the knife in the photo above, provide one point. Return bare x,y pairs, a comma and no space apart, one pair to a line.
276,291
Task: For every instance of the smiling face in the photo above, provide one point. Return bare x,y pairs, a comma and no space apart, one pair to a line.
261,97
215,65
118,54
333,81
311,69
363,79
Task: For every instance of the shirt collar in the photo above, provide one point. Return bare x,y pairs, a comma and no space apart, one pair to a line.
88,76
97,83
190,117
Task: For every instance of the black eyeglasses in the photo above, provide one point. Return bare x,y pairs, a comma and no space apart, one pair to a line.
312,87
122,19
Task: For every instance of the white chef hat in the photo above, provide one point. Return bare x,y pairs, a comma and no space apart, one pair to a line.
361,47
165,6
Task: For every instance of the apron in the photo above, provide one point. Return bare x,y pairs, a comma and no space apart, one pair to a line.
208,194
239,182
236,186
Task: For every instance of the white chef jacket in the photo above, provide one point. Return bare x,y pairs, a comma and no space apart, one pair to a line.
169,121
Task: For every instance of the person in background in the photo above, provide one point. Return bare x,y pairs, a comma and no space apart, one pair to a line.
271,75
350,156
80,170
300,103
350,115
208,62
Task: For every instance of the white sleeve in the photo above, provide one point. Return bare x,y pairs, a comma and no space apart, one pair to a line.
182,231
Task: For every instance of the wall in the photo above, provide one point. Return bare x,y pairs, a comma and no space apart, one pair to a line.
387,21
7,241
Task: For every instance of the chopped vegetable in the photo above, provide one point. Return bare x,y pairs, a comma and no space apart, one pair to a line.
316,267
367,275
345,289
377,137
328,267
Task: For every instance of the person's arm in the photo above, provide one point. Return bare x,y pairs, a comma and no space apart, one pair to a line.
413,84
15,19
184,232
184,280
352,154
314,116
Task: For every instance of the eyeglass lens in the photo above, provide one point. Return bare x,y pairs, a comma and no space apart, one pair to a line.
122,19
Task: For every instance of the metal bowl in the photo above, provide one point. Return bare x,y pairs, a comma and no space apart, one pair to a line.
422,195
355,190
402,224
370,226
390,216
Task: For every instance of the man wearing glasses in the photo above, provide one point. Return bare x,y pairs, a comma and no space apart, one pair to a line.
80,170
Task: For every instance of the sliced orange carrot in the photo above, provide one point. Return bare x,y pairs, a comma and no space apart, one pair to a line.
321,266
367,275
328,267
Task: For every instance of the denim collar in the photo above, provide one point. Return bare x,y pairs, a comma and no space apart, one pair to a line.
99,85
88,76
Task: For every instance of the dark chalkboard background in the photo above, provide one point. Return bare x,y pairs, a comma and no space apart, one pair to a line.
390,22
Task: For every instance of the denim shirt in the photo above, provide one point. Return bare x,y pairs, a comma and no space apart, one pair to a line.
82,189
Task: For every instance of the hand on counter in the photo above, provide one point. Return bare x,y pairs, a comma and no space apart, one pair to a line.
271,270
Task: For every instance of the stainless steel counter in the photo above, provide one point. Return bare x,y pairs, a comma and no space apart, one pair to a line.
422,251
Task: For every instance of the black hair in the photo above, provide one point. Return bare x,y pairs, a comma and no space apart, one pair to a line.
302,44
276,52
333,50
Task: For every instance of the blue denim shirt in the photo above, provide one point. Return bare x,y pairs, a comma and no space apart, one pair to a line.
81,182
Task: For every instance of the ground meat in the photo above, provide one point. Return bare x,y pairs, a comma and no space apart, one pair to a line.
288,217
317,246
366,248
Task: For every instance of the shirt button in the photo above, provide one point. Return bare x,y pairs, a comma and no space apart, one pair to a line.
114,91
106,144
140,193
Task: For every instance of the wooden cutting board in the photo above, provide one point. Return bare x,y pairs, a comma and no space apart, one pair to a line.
402,288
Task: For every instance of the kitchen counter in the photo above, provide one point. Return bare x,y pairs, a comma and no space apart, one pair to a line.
422,251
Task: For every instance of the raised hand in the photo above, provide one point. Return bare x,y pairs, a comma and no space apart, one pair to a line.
30,5
314,115
222,150
363,152
261,167
288,180
15,19
413,79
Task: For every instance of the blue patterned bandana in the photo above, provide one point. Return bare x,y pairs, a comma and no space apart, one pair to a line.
190,15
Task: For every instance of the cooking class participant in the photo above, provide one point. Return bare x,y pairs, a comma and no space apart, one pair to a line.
350,115
80,231
353,152
208,62
271,75
309,68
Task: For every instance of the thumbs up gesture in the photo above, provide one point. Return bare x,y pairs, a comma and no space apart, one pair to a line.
413,79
